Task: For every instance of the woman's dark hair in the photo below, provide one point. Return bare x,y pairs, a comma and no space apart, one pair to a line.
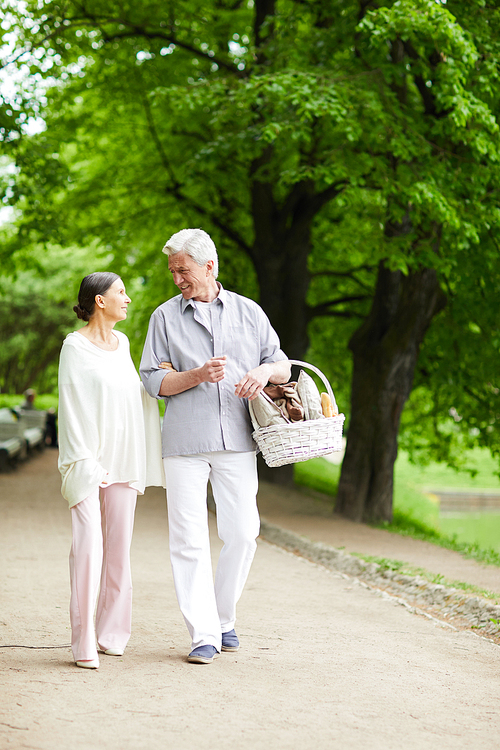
91,286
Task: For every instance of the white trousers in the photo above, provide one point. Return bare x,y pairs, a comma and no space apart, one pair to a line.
209,608
100,554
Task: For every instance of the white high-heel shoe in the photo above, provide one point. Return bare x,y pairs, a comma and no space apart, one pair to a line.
114,652
89,664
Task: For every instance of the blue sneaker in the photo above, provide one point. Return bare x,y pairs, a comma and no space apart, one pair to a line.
230,641
203,655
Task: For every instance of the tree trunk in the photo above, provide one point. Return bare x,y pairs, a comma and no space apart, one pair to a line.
280,251
385,352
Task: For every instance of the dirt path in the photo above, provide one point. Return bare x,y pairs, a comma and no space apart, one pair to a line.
314,519
325,663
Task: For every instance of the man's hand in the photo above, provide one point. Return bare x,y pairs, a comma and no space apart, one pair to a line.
178,382
253,382
213,370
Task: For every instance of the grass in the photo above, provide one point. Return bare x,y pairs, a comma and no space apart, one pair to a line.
416,510
318,474
416,513
397,566
42,400
406,525
439,476
485,528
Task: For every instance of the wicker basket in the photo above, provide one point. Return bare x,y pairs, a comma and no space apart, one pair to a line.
299,441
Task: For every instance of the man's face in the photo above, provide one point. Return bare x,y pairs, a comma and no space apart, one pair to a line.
194,281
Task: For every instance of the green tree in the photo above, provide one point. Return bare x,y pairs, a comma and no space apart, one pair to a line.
342,154
439,74
36,312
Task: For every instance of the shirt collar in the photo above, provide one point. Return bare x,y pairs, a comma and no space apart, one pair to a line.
222,297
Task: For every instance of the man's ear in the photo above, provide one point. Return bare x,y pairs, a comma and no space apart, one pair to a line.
210,267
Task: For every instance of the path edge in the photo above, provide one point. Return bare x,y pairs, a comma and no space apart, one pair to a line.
455,606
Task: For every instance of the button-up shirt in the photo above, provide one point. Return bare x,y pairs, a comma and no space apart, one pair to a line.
208,417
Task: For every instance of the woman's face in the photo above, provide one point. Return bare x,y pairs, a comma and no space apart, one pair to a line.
114,302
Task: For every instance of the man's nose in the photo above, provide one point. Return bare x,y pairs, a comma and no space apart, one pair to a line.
177,278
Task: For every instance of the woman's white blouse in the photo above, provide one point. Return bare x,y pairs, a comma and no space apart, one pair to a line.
105,420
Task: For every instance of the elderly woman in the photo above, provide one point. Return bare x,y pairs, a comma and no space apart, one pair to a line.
102,460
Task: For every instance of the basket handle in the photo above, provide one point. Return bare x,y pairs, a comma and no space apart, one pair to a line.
320,375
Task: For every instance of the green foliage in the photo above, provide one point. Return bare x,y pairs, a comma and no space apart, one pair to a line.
318,474
36,313
368,130
456,403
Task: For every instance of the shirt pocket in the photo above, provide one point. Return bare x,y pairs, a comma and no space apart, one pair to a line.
245,345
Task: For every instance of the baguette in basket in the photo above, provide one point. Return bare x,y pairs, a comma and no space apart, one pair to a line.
327,406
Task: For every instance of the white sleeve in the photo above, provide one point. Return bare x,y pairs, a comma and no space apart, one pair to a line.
78,433
155,474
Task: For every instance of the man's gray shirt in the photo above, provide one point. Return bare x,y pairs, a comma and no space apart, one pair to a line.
208,417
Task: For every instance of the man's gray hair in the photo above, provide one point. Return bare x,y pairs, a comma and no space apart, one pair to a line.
197,244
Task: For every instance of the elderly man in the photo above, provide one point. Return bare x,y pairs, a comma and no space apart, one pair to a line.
207,351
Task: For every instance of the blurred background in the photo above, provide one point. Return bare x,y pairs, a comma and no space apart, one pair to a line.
344,157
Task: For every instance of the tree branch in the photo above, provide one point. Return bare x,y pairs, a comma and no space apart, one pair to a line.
228,231
480,399
303,201
426,93
159,146
175,189
325,307
365,267
348,314
331,192
263,10
141,31
363,8
347,275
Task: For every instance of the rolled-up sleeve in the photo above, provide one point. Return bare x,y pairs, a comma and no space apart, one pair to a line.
156,350
270,350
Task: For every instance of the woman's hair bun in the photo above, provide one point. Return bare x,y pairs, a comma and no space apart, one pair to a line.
81,313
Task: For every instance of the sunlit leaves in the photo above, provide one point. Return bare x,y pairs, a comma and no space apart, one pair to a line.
163,114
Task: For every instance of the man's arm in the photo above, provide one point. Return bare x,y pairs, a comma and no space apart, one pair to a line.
255,380
157,373
156,357
178,382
